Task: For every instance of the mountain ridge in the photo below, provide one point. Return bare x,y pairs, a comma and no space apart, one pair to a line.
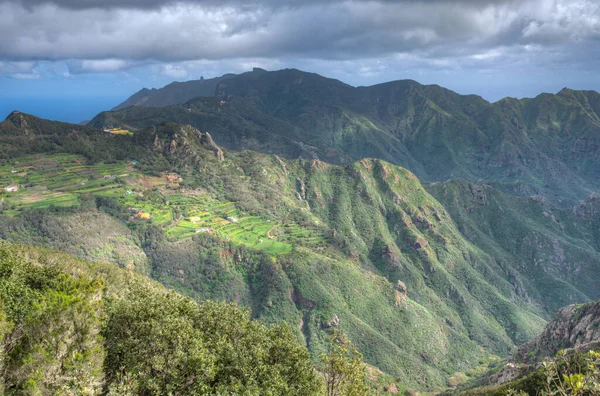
455,271
548,145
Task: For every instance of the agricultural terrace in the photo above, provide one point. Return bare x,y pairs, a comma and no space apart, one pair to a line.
59,180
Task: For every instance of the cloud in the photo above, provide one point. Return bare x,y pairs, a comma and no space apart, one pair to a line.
273,4
359,41
16,67
19,70
165,31
173,70
98,66
26,76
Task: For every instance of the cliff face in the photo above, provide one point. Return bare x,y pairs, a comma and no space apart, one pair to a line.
575,328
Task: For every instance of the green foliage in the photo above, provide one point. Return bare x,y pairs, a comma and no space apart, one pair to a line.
426,284
168,344
572,375
49,328
565,374
69,327
343,368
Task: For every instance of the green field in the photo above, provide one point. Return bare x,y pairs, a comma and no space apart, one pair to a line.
59,180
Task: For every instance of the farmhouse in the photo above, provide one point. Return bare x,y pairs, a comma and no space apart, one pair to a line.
144,215
12,188
233,219
174,178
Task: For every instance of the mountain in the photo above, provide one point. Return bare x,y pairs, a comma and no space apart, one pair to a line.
563,347
574,328
176,92
431,276
75,327
548,145
299,241
554,248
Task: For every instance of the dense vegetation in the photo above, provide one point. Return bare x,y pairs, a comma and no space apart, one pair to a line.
71,327
547,145
563,375
429,282
562,360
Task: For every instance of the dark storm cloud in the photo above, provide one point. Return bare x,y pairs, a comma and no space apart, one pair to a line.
104,36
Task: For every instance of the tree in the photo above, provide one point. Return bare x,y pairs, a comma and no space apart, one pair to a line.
167,344
344,368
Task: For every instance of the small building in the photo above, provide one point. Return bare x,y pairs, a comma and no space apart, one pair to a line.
203,230
11,188
173,178
128,192
13,171
144,215
233,219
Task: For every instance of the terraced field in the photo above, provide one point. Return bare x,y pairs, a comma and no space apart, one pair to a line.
59,180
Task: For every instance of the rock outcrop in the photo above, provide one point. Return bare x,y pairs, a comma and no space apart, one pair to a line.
208,143
574,328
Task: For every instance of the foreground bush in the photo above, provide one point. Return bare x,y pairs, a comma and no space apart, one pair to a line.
70,327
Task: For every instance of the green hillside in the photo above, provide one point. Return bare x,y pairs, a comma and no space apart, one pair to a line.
74,327
547,145
361,247
430,282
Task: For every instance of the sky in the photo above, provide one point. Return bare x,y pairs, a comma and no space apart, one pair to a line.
70,59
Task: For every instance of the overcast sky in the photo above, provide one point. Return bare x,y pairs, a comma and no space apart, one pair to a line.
106,50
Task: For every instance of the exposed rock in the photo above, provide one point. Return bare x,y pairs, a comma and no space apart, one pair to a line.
282,164
299,300
391,255
401,287
509,372
333,322
157,143
401,294
301,188
575,328
173,145
479,194
208,143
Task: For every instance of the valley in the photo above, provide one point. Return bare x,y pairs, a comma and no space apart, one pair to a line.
381,220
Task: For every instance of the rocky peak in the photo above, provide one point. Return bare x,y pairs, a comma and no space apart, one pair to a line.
208,143
19,120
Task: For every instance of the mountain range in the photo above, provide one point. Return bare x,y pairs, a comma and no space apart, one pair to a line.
543,146
438,231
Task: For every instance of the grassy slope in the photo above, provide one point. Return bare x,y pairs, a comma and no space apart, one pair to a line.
546,145
555,250
355,231
332,275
